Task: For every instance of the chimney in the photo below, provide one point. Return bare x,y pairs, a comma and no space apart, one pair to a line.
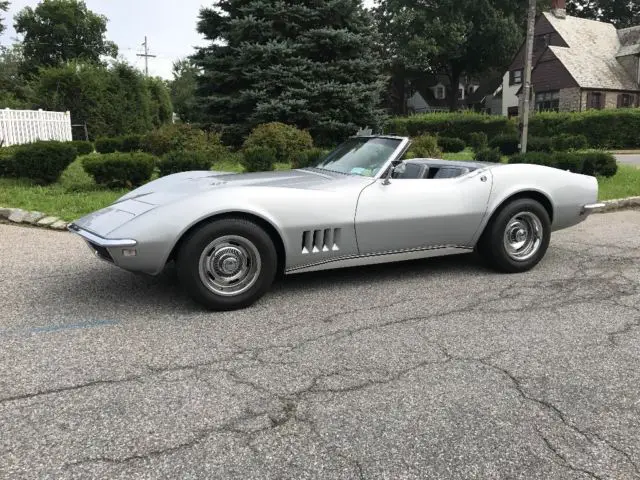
559,8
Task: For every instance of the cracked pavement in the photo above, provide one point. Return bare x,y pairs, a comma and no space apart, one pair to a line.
431,369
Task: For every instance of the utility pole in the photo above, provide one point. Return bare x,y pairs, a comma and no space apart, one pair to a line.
526,92
146,56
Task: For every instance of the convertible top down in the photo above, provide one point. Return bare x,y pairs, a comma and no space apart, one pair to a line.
230,234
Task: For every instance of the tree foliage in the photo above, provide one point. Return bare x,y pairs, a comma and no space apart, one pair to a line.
451,37
113,101
57,31
621,13
14,91
303,62
183,90
4,6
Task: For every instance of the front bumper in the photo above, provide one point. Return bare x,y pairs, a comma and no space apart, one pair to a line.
101,246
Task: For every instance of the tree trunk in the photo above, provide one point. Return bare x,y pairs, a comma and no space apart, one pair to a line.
454,78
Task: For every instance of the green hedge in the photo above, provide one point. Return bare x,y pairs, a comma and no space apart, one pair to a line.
424,146
491,155
588,163
83,147
177,161
258,159
306,158
43,161
108,145
456,125
285,140
7,162
117,170
451,145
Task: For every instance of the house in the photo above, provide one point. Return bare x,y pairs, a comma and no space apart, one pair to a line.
578,64
432,93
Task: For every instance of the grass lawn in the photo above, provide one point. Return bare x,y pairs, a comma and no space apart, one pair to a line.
76,194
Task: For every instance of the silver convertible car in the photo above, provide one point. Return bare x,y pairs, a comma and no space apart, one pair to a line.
231,235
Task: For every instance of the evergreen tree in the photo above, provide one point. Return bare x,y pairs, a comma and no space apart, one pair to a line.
4,6
309,63
622,14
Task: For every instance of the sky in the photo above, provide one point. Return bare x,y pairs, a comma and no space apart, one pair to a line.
170,27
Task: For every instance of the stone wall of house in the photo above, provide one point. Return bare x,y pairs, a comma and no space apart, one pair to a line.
570,99
611,100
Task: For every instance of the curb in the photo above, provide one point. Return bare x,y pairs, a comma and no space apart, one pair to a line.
31,218
619,204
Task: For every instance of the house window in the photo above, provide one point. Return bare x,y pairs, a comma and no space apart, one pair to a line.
516,77
460,93
440,93
548,101
626,100
595,100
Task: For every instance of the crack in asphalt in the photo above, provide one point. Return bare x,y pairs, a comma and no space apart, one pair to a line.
563,460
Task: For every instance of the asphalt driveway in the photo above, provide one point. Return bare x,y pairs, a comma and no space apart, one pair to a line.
433,369
629,159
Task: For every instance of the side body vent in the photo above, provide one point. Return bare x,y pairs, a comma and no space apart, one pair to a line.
317,241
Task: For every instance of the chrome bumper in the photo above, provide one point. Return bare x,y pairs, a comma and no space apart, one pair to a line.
101,241
590,208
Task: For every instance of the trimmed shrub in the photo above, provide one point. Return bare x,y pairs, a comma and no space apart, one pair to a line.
177,161
307,158
456,125
451,145
7,162
539,144
478,141
507,144
108,145
117,170
83,147
491,155
424,146
130,143
178,136
588,163
566,142
285,140
258,159
43,161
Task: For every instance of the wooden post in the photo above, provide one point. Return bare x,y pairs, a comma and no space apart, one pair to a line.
526,91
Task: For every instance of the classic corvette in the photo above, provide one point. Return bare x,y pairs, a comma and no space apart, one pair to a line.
231,235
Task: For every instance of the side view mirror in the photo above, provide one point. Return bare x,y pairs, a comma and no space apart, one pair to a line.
400,168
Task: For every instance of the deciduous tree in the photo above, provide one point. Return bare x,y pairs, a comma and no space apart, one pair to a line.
621,13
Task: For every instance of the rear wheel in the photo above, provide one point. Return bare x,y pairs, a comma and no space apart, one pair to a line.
227,264
517,238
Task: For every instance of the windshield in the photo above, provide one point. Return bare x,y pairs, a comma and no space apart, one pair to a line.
360,156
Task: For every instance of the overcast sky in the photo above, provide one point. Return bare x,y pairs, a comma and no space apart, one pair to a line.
170,26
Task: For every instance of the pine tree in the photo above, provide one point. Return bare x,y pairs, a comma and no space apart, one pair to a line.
308,63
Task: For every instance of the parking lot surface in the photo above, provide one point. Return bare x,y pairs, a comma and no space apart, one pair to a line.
431,369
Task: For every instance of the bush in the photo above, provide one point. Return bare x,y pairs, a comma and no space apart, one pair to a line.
117,170
424,146
178,136
478,141
177,161
258,159
43,161
539,144
108,145
285,140
130,143
456,125
451,145
490,155
587,163
83,147
307,158
507,144
7,162
566,142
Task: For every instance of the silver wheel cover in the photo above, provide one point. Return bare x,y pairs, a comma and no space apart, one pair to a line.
523,236
230,265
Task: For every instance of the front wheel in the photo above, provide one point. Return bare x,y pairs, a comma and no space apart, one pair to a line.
227,264
517,238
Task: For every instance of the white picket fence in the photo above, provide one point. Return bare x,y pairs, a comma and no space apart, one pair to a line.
25,126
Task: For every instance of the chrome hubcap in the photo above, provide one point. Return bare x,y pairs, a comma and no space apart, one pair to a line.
523,236
230,265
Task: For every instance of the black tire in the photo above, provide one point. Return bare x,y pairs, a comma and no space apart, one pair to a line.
491,245
247,237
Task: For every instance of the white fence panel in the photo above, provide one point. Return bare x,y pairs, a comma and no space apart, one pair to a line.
25,126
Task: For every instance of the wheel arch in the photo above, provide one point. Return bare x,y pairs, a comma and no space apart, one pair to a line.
536,195
265,224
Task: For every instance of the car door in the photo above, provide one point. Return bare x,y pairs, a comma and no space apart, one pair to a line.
421,213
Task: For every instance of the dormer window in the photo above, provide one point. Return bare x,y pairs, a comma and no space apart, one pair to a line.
440,92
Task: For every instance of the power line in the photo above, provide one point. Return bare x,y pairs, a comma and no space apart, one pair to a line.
146,56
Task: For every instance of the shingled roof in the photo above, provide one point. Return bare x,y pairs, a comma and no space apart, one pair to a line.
593,48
